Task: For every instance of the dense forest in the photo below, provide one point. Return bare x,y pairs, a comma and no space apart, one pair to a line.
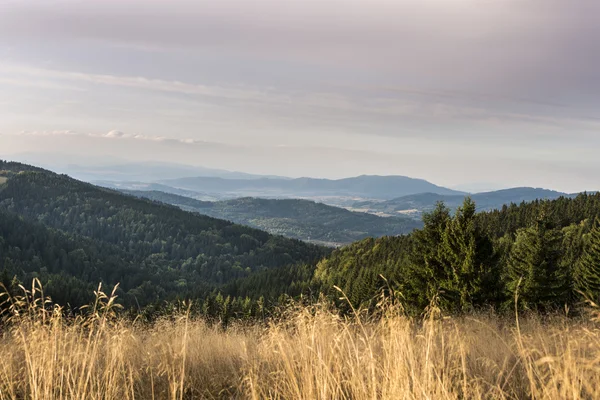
545,253
73,235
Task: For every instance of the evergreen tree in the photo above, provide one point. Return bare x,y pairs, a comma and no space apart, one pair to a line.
572,248
587,277
534,267
426,268
471,278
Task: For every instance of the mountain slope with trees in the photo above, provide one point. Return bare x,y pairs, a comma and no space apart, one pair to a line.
294,218
54,224
546,252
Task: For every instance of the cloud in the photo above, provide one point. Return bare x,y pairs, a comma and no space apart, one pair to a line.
501,45
368,102
516,49
116,135
140,82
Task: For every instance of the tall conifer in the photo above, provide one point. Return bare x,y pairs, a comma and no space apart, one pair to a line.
587,277
425,269
534,267
468,256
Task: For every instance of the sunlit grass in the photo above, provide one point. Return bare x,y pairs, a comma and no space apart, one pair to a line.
309,353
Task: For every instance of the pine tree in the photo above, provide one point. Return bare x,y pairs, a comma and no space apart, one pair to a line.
587,277
534,267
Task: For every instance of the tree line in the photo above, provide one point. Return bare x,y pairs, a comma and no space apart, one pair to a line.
544,254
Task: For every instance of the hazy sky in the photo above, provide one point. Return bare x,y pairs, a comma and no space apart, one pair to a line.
500,92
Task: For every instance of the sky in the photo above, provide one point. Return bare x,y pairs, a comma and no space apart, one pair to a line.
473,94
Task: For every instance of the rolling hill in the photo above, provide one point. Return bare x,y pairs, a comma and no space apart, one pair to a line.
298,219
73,234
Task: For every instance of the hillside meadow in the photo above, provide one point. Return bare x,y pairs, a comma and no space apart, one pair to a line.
308,352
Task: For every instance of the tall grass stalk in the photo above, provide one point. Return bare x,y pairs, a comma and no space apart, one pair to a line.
309,353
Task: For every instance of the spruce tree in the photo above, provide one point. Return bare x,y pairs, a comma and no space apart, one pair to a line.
534,267
425,269
587,277
573,247
468,256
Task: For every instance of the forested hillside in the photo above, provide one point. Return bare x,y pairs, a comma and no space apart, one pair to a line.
294,218
546,252
73,235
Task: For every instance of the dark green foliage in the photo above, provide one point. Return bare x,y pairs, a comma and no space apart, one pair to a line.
471,278
289,280
473,260
427,270
587,278
453,261
561,213
362,269
52,224
534,267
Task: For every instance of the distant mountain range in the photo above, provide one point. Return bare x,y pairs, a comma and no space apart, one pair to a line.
414,205
360,187
294,218
150,172
379,195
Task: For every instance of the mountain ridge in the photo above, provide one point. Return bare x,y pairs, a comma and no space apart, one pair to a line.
295,218
364,186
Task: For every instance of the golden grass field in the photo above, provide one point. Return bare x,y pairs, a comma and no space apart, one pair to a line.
311,353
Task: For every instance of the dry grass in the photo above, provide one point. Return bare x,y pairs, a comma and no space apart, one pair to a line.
3,179
309,354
